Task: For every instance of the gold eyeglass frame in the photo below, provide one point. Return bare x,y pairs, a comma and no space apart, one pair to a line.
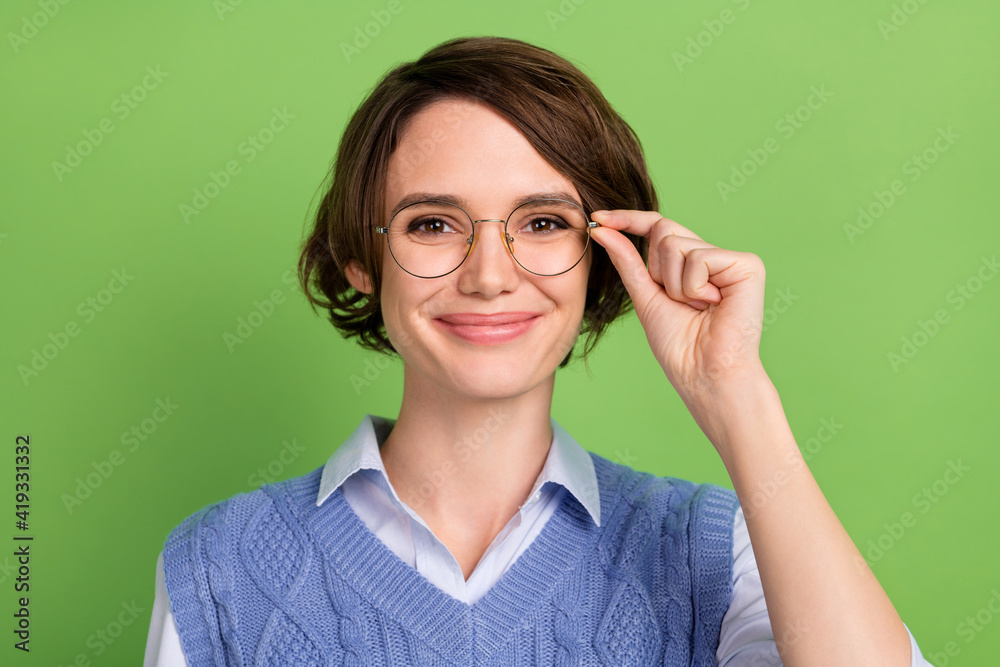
507,239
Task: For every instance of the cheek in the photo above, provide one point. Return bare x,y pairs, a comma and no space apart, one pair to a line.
585,278
402,297
397,327
391,296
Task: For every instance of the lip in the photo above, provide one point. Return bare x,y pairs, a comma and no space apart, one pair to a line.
488,328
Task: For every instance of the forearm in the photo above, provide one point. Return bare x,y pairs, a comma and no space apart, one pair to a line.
825,605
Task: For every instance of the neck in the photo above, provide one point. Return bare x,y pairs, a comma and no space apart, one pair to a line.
463,463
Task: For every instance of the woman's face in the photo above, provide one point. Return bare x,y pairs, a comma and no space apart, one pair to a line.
467,150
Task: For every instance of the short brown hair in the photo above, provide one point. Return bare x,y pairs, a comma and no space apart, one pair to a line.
559,110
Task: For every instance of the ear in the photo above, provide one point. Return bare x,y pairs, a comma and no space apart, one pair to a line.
358,277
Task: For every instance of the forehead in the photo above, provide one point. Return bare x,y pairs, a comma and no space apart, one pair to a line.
467,149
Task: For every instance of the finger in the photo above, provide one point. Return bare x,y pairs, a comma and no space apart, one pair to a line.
640,223
715,273
627,260
676,256
697,274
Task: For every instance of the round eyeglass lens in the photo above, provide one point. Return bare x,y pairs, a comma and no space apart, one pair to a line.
430,239
548,236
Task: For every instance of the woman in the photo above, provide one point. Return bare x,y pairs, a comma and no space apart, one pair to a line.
459,232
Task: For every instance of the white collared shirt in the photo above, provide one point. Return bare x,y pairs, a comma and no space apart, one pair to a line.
356,467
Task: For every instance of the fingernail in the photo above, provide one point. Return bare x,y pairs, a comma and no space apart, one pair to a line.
602,212
700,305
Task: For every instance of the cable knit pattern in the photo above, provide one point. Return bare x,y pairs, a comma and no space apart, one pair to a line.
350,624
220,579
566,623
675,556
269,578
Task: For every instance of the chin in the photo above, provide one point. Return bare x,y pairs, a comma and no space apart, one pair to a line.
498,376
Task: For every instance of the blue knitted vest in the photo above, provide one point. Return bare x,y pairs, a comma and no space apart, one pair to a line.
269,578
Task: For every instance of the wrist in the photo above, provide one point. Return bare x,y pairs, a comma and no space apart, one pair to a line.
721,390
741,414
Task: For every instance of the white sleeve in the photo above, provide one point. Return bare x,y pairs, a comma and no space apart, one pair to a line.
163,644
745,638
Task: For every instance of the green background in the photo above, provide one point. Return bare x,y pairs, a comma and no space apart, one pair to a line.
847,301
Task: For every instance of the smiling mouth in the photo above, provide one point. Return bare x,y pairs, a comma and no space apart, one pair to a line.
488,329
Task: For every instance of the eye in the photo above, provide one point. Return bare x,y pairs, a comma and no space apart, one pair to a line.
545,224
429,226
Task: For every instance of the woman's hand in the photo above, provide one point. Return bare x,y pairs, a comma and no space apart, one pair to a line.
701,306
817,590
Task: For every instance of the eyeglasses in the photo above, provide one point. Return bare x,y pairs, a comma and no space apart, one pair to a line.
546,237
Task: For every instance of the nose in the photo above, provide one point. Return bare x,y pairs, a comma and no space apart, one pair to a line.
489,268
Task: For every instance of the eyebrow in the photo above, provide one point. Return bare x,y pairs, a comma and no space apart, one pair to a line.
463,203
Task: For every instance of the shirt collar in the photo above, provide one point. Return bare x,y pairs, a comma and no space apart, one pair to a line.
567,463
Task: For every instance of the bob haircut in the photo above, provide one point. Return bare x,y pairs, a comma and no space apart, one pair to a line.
559,110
